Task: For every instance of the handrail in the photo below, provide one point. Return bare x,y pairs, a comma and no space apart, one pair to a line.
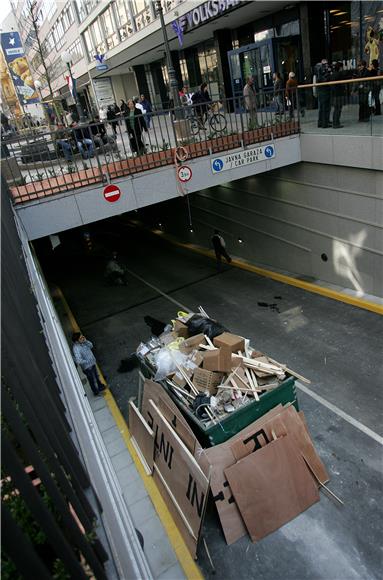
344,82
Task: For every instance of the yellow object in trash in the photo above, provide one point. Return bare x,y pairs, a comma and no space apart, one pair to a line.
175,345
181,314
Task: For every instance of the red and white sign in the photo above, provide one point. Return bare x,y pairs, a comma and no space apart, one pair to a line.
184,173
112,193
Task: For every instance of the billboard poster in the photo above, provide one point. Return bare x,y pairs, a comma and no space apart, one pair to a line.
19,68
8,94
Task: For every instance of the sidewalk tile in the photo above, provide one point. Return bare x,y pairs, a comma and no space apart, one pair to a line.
142,510
134,492
121,460
175,572
114,447
111,434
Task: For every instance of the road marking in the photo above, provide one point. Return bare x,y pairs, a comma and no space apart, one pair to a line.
159,291
357,424
309,286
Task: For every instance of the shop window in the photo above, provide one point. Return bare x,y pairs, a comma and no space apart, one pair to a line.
109,28
89,45
208,64
343,35
143,19
124,23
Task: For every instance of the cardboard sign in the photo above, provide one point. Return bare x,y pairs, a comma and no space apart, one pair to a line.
219,458
288,422
142,437
169,409
185,483
271,487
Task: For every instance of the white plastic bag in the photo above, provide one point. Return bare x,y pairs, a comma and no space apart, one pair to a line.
166,362
371,100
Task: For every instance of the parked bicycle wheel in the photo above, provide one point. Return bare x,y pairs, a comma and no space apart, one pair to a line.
195,125
218,122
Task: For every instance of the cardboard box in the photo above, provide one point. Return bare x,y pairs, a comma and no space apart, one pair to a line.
197,358
180,328
192,343
228,340
207,380
217,360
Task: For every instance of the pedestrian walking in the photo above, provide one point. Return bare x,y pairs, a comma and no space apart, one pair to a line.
250,98
111,115
148,110
124,112
135,124
363,90
375,92
278,95
83,356
291,94
323,75
219,246
339,95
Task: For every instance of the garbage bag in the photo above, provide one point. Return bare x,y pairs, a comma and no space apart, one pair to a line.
200,324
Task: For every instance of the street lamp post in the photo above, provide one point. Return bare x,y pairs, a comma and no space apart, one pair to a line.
66,57
171,71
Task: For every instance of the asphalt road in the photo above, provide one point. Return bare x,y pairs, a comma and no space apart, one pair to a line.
336,345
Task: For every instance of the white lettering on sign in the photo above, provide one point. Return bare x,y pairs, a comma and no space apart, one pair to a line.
234,160
205,12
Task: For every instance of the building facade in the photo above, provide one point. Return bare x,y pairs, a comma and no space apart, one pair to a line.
117,45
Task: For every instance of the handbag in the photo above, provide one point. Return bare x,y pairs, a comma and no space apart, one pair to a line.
371,100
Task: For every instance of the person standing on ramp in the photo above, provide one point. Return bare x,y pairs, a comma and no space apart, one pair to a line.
219,246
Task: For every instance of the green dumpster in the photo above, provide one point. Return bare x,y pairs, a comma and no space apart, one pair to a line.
239,419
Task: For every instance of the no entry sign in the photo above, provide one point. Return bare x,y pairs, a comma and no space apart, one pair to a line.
184,173
112,193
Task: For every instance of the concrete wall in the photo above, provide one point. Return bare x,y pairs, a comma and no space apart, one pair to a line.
54,214
289,217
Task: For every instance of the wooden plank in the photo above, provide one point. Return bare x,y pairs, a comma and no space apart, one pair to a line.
142,435
271,487
288,422
180,471
219,458
155,392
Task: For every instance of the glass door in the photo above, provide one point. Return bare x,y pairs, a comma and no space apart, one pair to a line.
254,60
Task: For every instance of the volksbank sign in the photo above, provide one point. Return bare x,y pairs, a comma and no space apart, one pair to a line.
203,13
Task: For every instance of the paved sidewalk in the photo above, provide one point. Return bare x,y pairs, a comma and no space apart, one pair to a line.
158,550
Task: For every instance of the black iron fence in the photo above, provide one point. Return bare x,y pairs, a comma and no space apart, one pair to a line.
37,165
48,521
42,163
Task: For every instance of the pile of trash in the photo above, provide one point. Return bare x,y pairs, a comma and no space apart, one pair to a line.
210,370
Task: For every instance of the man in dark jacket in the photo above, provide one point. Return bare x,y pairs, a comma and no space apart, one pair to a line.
323,72
339,95
219,246
363,90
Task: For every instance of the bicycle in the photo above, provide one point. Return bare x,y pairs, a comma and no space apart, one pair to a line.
215,120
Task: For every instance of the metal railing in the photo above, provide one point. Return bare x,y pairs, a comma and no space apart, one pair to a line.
50,162
347,107
40,163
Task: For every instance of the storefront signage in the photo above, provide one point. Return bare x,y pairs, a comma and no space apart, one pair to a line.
103,91
235,160
19,68
201,14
